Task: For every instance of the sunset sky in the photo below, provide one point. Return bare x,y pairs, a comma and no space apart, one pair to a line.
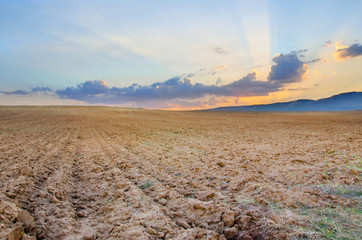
177,54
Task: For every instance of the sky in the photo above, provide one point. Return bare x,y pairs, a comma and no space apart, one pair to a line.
177,55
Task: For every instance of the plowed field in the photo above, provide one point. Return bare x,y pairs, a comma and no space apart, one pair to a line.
113,173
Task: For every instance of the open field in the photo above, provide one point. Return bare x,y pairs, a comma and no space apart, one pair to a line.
113,173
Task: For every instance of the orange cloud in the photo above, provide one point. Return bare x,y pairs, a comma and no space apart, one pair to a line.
344,52
306,71
219,68
255,71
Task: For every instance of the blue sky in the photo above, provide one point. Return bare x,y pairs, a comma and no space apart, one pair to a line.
177,54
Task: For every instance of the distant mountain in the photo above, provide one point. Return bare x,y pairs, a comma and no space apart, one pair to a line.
340,102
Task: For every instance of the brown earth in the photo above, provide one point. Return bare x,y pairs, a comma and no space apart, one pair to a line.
113,173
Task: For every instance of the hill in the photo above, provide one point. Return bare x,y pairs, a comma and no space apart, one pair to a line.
340,102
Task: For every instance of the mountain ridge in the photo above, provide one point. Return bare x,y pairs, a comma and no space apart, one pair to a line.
340,102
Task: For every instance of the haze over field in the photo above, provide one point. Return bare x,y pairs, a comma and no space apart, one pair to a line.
178,54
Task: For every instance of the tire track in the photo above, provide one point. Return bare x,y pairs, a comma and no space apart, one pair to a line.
208,217
125,209
48,200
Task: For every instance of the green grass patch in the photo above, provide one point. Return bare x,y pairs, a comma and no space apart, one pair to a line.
329,223
347,191
333,223
146,185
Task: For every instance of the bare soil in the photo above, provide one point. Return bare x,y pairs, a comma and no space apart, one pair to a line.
114,173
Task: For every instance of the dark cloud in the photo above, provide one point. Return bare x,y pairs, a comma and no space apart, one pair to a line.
173,88
40,89
16,92
300,51
288,69
97,91
23,92
314,60
328,43
218,81
84,90
170,89
354,50
249,86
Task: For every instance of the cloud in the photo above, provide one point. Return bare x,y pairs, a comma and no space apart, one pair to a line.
314,60
249,86
300,51
40,89
206,71
43,90
84,91
183,88
328,43
218,81
16,92
219,68
97,91
221,51
288,69
344,52
214,70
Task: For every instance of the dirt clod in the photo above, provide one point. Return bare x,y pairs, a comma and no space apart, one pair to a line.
183,223
26,171
8,210
27,220
228,218
230,232
15,233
